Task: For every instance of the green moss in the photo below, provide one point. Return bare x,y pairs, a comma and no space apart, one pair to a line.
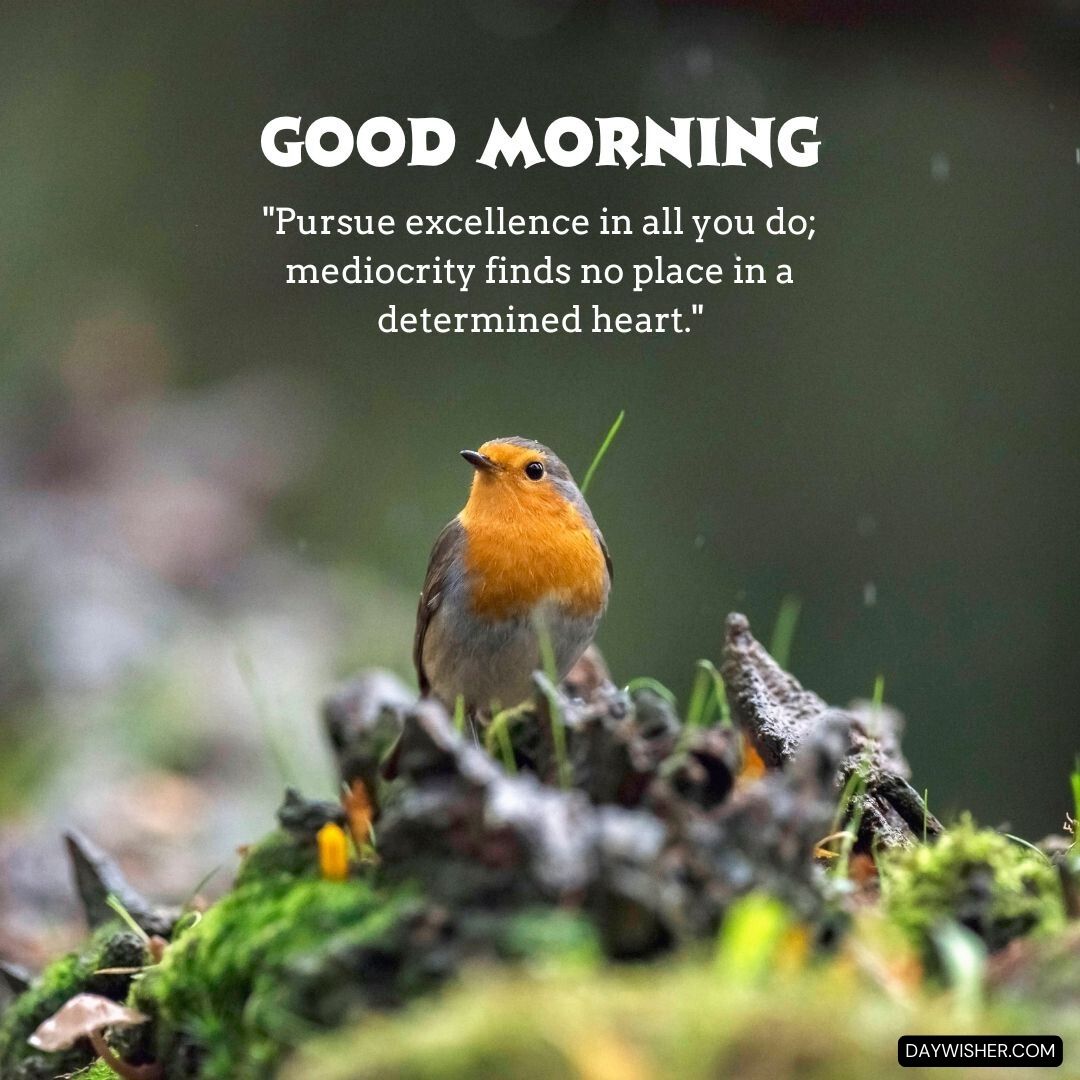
684,1020
988,883
111,946
98,1071
272,962
278,855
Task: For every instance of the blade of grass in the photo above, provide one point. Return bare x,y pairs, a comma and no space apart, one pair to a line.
851,835
506,751
719,688
498,735
875,704
846,795
558,735
854,790
188,921
707,694
725,708
551,692
459,713
114,902
1028,844
645,682
203,882
879,692
1074,782
547,651
700,693
604,446
787,618
963,956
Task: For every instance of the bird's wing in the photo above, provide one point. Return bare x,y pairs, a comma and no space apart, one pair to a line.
447,546
607,554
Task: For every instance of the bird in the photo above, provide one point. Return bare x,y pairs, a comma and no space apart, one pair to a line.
523,559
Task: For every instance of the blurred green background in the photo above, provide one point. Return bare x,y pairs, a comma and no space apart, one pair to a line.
893,439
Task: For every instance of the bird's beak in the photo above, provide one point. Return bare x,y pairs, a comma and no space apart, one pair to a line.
478,461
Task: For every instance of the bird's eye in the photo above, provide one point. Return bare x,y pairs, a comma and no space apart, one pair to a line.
534,470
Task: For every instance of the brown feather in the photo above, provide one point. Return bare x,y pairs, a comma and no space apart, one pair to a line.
447,546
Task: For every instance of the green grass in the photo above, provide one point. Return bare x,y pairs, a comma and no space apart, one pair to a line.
558,728
783,635
646,682
127,918
1074,783
852,797
558,739
708,695
963,961
1027,844
879,694
497,735
604,447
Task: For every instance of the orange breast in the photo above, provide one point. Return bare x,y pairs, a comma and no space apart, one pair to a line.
521,552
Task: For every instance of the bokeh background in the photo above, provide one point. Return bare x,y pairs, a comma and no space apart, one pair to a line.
218,494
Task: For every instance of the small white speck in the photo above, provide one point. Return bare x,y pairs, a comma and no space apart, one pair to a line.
940,168
869,594
699,541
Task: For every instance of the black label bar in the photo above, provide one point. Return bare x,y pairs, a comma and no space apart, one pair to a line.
976,1051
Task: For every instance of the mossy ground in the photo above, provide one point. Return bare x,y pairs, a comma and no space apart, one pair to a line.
230,986
682,1020
277,856
110,946
994,886
291,974
98,1071
224,996
277,961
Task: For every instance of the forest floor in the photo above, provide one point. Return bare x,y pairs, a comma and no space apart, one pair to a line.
595,885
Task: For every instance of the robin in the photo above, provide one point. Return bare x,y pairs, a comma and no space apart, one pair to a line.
522,560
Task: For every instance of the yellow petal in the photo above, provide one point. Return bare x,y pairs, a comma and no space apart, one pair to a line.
333,852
